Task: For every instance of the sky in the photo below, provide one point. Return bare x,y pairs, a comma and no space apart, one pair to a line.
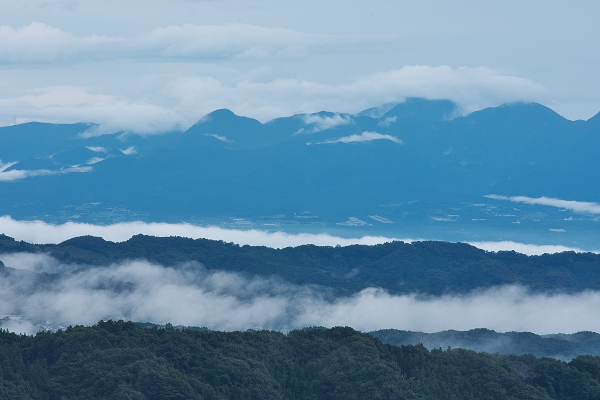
153,66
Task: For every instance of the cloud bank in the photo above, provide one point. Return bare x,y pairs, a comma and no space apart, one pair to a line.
42,233
584,207
175,98
191,295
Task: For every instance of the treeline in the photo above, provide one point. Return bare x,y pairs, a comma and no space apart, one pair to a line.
122,360
426,267
559,345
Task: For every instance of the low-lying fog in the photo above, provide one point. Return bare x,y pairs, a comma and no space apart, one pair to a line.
191,295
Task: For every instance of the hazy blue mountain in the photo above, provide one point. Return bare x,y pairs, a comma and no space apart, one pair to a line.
36,139
226,127
418,166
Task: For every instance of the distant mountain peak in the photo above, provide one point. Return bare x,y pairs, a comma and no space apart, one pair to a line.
224,121
222,114
420,109
526,113
377,112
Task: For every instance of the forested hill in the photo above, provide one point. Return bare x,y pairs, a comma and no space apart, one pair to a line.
425,267
122,360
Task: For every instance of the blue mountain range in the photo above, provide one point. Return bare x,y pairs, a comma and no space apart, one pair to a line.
418,168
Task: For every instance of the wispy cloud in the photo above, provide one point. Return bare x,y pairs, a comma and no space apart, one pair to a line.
129,151
95,160
219,137
42,43
16,174
97,149
5,166
576,206
323,122
386,123
363,137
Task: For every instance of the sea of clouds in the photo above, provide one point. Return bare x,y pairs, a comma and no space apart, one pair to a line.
189,294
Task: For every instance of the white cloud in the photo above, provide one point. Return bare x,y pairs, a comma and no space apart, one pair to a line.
227,41
129,151
387,122
219,137
173,99
16,174
5,166
97,149
363,137
472,88
36,262
58,104
95,160
324,122
507,308
576,206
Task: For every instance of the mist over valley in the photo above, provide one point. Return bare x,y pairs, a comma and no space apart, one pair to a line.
419,286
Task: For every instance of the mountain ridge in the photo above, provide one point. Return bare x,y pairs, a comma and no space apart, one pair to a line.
427,267
416,164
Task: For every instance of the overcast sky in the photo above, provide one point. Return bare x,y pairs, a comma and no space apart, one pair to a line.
156,65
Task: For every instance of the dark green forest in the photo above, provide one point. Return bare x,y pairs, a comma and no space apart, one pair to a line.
423,267
123,360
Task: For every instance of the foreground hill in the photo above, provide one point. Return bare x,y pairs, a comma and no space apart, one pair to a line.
118,360
420,267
